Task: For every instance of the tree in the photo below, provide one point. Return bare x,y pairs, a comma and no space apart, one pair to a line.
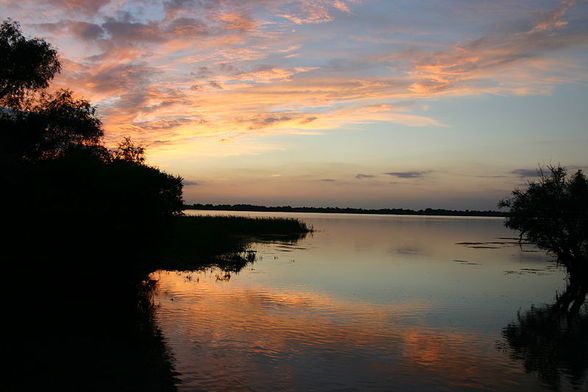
84,226
25,64
37,124
50,126
52,151
553,214
128,151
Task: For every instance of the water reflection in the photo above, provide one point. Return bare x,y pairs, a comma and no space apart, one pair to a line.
250,338
365,303
552,340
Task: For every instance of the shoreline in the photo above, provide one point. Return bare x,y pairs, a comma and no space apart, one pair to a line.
350,211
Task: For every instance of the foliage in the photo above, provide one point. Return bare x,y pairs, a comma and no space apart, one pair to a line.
35,123
553,213
25,64
82,221
128,151
52,143
50,126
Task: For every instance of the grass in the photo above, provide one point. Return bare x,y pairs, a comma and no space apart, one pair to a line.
239,225
224,241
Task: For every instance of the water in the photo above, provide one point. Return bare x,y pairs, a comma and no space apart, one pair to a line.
366,302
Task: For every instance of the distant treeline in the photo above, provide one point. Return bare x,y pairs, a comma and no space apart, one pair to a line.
347,210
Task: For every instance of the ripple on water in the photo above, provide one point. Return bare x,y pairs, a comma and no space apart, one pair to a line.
369,304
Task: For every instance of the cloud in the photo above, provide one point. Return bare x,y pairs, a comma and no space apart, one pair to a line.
361,176
215,84
523,173
85,31
267,73
478,64
341,6
190,183
315,11
124,29
83,6
328,180
212,67
491,176
166,124
526,172
409,174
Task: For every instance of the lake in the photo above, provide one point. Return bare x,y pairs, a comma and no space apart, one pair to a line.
366,303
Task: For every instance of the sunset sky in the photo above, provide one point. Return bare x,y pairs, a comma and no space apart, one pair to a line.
362,103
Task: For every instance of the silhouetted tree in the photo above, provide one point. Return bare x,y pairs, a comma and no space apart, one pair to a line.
84,225
51,147
49,126
34,123
553,213
25,64
128,151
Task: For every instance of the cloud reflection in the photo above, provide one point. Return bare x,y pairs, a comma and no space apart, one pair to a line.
230,337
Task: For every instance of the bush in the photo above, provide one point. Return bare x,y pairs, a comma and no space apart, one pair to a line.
553,213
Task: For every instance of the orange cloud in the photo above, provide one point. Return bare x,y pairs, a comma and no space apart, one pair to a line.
235,68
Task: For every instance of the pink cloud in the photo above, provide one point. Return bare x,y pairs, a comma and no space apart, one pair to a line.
218,67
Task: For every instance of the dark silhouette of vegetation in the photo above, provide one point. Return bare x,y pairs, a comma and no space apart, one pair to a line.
129,152
86,227
49,127
25,65
553,214
52,146
79,218
223,241
552,340
338,210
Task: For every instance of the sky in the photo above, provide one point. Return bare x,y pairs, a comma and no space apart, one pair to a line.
359,103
